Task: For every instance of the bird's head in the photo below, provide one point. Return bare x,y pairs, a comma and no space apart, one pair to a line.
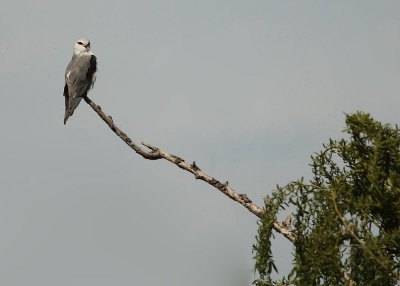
81,45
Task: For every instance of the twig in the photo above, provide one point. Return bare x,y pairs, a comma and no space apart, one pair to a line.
156,154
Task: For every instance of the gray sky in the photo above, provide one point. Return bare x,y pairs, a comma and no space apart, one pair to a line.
248,89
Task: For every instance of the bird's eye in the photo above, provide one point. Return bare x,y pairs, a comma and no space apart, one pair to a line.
80,43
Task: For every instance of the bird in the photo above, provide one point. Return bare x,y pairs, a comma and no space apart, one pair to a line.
80,76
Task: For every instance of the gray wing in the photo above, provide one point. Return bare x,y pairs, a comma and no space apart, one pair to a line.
79,78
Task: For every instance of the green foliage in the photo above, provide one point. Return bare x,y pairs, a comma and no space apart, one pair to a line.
347,218
264,262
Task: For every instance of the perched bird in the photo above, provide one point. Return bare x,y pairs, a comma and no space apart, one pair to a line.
80,76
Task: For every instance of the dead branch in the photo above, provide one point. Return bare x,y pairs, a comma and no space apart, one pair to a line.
155,154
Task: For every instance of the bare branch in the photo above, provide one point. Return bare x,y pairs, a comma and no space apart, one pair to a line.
156,154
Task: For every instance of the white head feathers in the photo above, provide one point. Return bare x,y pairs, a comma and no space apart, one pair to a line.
82,46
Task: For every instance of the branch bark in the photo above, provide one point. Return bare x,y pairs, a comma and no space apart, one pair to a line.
156,154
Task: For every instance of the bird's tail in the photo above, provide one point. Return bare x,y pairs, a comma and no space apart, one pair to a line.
73,103
66,116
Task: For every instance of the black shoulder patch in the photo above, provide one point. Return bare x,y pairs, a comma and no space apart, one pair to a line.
66,95
66,90
92,68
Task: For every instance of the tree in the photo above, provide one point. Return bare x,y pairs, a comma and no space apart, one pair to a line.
346,219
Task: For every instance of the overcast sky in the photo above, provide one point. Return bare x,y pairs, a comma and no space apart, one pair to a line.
247,89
